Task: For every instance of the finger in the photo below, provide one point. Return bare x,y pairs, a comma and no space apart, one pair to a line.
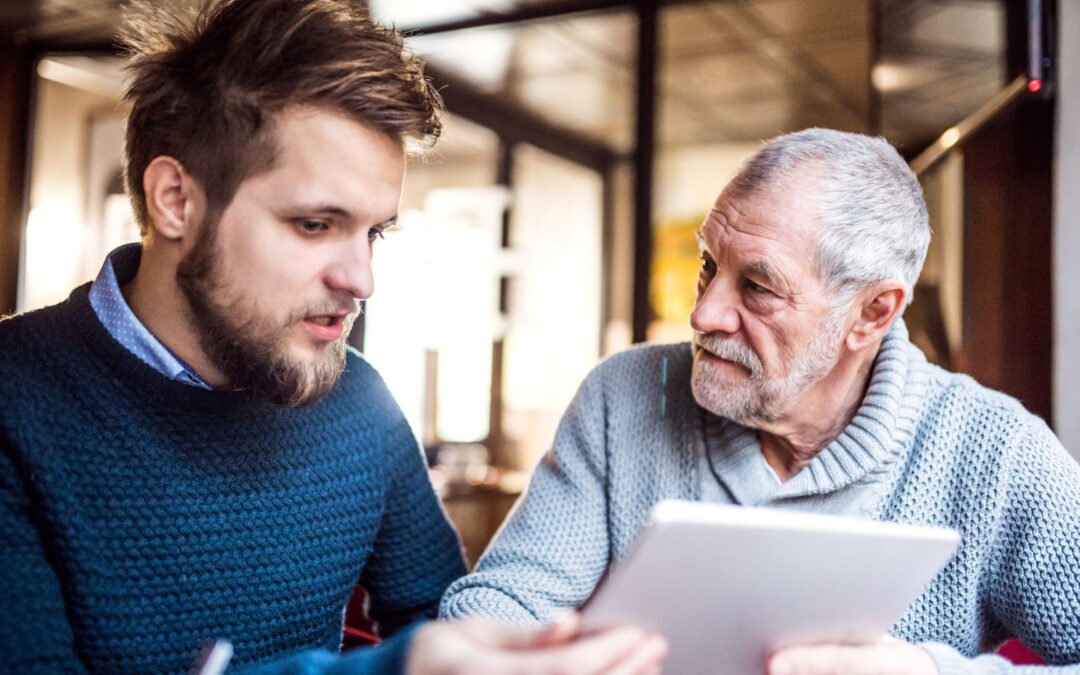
494,633
643,661
884,657
591,655
818,660
560,631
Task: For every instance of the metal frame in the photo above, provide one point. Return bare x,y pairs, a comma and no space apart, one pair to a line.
512,123
644,159
18,65
555,10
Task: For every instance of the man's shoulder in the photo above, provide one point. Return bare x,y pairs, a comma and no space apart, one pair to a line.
359,372
970,410
965,392
664,363
633,384
34,348
13,327
361,383
24,337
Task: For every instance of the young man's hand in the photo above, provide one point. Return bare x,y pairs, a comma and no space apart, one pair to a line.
887,656
481,646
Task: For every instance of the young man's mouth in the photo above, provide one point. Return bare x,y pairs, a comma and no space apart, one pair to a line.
326,327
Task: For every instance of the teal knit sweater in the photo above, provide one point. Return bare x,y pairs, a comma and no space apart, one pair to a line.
925,446
141,517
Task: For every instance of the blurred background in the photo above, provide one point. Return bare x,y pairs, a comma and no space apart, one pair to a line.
585,142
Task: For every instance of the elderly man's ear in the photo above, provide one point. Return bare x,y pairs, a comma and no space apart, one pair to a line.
878,306
174,199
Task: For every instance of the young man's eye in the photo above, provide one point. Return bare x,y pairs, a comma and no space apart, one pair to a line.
375,233
312,226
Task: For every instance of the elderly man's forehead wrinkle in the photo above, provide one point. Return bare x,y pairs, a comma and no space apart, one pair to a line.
737,218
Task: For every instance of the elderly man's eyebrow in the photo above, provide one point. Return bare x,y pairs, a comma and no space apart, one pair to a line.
772,276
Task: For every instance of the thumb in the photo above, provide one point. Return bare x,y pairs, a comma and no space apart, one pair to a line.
560,631
505,636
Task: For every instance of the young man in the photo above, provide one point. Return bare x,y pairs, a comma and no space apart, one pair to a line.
188,450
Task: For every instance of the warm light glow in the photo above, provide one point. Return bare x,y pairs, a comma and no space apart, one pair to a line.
396,332
54,240
950,137
406,13
485,55
436,289
1034,86
888,77
85,73
467,226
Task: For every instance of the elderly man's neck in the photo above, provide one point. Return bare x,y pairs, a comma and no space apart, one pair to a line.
818,416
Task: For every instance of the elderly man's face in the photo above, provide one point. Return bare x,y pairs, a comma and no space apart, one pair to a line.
764,329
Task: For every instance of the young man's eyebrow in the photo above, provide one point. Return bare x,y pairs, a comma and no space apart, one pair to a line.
322,209
328,209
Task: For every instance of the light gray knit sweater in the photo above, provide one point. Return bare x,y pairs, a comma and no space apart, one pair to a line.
925,446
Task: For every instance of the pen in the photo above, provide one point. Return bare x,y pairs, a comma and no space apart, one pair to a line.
215,660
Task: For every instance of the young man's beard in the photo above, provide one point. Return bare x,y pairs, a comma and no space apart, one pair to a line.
247,347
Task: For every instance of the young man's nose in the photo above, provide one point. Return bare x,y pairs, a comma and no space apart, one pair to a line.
351,270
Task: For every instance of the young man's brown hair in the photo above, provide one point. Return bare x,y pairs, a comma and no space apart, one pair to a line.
204,90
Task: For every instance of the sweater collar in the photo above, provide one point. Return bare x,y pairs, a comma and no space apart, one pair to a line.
112,309
878,433
127,369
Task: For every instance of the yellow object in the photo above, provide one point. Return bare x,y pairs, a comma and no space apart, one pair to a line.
676,261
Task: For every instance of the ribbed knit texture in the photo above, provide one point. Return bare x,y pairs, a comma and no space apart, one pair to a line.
140,517
925,446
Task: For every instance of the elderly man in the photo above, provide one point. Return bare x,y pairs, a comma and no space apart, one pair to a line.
802,391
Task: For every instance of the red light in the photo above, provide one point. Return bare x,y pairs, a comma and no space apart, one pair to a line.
1034,86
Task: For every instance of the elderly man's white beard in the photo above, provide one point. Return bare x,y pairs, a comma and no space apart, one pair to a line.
759,399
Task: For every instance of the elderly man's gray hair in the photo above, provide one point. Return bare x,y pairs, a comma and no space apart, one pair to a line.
873,219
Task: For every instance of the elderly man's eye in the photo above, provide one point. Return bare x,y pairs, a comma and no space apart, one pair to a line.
708,266
757,288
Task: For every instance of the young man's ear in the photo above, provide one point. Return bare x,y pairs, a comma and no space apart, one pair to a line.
174,200
879,305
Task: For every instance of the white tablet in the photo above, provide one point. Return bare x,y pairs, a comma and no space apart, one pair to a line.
728,584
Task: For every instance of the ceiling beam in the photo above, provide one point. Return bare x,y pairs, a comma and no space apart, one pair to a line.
792,61
550,10
518,15
514,123
644,160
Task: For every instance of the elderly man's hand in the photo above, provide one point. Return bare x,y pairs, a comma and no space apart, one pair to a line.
887,656
481,646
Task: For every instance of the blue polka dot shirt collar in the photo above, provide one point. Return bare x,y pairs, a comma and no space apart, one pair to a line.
115,314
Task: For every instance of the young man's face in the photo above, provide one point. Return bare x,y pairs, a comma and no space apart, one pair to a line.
273,289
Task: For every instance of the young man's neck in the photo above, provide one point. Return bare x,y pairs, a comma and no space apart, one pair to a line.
157,301
818,417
